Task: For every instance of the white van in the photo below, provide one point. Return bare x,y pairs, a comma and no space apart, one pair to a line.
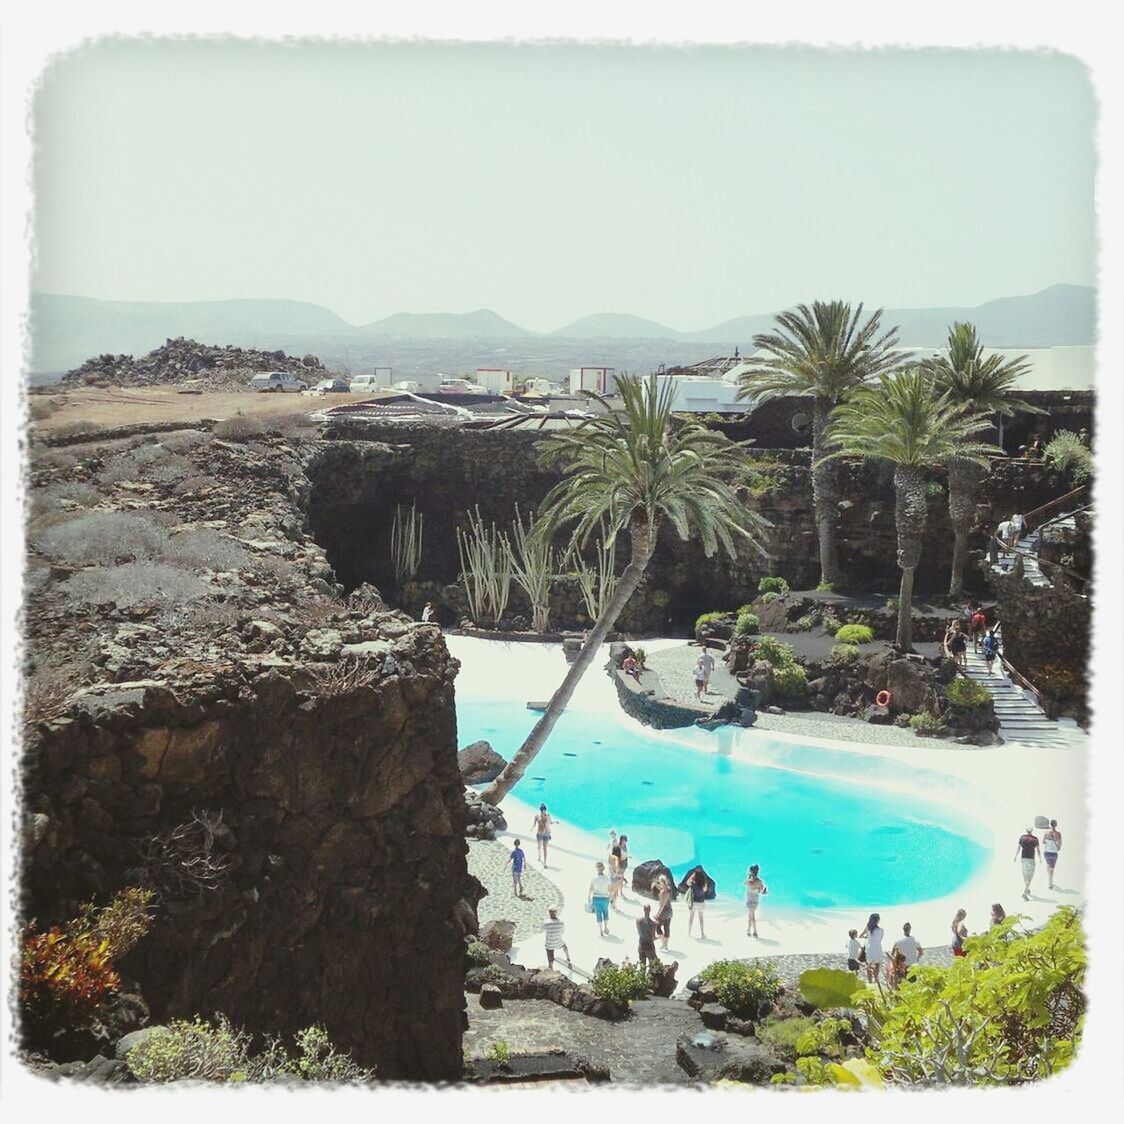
365,384
277,381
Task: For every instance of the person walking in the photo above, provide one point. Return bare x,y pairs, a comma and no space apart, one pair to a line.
754,888
959,932
707,660
998,914
517,859
554,930
598,898
958,647
872,934
427,613
623,844
664,912
616,876
696,900
906,952
646,936
1051,845
990,649
541,824
700,677
1027,850
978,627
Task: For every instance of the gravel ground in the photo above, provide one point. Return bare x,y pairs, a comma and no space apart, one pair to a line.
487,860
671,673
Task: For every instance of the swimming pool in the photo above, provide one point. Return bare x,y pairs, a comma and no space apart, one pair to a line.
821,842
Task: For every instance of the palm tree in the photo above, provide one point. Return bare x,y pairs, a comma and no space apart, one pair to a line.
905,421
823,351
978,384
634,469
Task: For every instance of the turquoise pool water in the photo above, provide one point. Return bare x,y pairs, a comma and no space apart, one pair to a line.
821,842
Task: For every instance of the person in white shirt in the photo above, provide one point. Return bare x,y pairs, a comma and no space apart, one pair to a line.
853,950
707,662
908,948
1006,534
554,930
1051,845
598,899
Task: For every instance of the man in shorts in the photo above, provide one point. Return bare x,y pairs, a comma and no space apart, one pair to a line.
908,948
1005,533
646,934
1051,845
518,860
707,662
978,626
554,930
1027,851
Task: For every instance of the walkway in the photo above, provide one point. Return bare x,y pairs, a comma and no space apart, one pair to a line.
1027,550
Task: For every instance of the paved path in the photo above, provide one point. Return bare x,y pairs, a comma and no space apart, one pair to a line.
487,860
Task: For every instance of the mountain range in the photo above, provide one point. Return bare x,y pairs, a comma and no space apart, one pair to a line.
66,330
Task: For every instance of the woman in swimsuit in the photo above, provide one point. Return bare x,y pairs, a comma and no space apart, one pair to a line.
754,888
542,831
616,876
959,932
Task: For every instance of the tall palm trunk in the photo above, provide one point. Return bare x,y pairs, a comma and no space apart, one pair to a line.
825,492
643,536
909,513
963,483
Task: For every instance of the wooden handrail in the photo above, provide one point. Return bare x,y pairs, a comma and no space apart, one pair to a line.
1052,503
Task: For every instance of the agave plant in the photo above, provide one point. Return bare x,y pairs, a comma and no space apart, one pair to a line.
634,469
405,543
598,581
533,562
904,420
486,571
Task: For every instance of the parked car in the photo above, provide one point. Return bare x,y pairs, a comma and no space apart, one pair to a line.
333,386
364,384
460,386
278,381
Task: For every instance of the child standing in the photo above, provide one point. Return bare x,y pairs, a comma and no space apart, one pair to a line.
517,858
854,949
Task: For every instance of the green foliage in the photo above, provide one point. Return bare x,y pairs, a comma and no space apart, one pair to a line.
826,587
934,491
924,721
967,692
829,987
1066,454
748,624
791,681
806,622
844,653
709,618
499,1052
623,983
198,1050
641,658
772,585
774,651
770,597
830,622
478,953
746,608
783,1033
659,597
747,990
822,1039
854,634
1011,1010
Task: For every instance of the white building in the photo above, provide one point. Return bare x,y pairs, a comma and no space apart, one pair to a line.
499,380
603,380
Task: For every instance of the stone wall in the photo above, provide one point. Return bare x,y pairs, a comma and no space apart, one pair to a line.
356,485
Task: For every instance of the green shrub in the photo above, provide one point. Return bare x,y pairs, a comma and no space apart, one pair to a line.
825,587
769,598
784,1033
831,623
499,1052
924,721
641,658
1065,453
844,653
822,1039
966,692
772,585
806,622
709,618
623,983
746,990
829,987
748,624
746,609
854,634
774,651
478,953
791,681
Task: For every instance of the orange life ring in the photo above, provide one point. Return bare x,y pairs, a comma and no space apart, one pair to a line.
883,698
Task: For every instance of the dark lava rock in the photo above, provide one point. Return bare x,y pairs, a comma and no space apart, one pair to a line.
480,763
713,1016
744,1027
498,934
491,997
646,873
707,1057
878,715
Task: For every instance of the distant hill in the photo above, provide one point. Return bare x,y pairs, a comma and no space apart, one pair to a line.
481,324
617,326
66,331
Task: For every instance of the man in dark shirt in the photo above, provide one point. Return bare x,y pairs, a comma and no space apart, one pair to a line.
646,931
1027,850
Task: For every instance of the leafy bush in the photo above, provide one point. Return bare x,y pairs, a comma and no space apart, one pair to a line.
924,721
791,681
784,1033
499,1052
966,692
135,583
822,1039
748,624
197,1050
829,987
238,428
623,983
831,623
709,618
844,653
102,537
641,658
769,598
747,990
806,622
825,587
1010,1011
478,953
772,585
1065,453
854,634
774,651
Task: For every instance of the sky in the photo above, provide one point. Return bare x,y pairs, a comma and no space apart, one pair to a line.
685,185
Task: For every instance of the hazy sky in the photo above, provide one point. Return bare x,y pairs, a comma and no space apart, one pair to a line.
546,183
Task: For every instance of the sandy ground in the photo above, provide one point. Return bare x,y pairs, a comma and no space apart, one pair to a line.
990,793
112,406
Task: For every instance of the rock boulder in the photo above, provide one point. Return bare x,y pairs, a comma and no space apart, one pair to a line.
480,763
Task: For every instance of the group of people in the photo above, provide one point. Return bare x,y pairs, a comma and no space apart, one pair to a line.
704,668
972,626
1028,849
905,952
606,887
1010,531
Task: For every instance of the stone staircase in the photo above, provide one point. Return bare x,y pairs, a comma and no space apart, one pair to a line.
1021,719
1027,550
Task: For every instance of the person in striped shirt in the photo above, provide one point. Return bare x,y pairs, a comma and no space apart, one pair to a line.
554,930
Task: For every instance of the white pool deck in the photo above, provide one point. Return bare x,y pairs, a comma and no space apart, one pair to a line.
991,795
